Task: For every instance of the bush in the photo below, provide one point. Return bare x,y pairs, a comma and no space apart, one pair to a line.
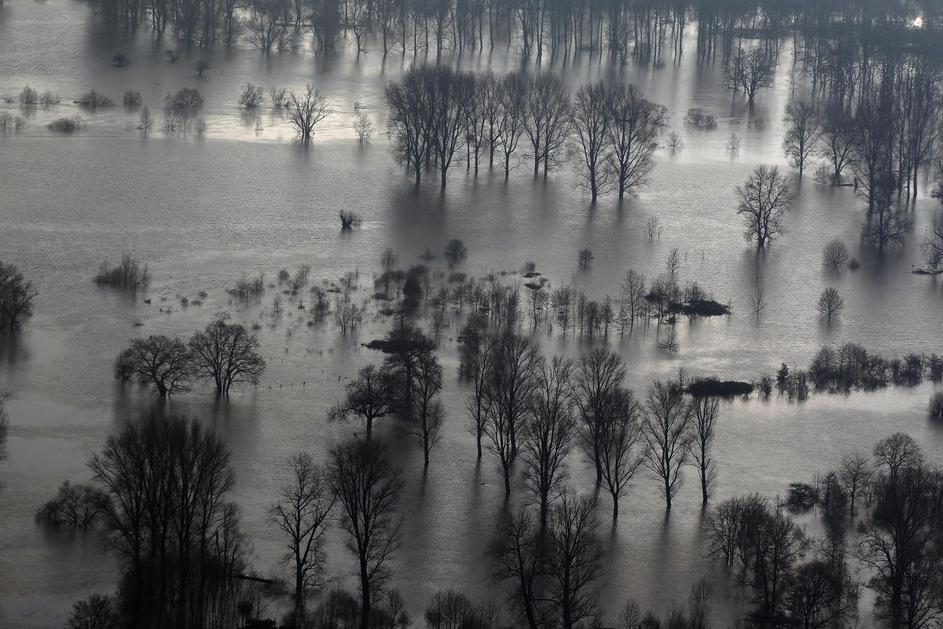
247,288
98,611
10,123
185,101
698,118
252,96
835,254
129,273
132,99
120,61
66,125
93,100
348,219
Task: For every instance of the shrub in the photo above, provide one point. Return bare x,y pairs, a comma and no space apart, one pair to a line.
252,96
66,125
98,611
698,118
93,100
10,123
129,274
186,101
349,219
584,258
247,288
835,254
278,96
120,61
132,99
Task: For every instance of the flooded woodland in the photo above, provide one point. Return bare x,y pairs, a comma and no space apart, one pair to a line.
351,249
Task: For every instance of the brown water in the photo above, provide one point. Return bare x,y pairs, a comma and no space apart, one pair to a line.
203,211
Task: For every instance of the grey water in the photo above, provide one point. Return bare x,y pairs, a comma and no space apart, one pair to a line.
243,198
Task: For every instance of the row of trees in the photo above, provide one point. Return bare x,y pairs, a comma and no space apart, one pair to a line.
437,114
223,353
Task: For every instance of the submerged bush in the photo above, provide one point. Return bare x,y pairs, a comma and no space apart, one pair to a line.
94,100
129,273
132,99
66,125
185,101
835,254
246,287
10,123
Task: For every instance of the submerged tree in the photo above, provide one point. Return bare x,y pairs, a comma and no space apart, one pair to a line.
305,111
158,361
16,298
802,129
763,199
620,440
666,428
591,120
301,516
574,557
634,123
705,410
367,487
227,354
370,396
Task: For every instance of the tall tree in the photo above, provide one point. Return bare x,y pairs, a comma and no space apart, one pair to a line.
703,428
370,396
598,377
622,435
227,354
633,128
763,199
802,128
666,428
591,120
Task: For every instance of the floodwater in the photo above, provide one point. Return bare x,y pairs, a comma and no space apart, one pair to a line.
202,211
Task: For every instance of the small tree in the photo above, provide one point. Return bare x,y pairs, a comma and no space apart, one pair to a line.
16,298
363,127
455,252
158,361
763,199
252,96
830,303
371,395
305,111
98,611
835,254
227,354
574,560
424,419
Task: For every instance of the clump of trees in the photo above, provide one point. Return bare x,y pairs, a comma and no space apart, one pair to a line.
93,100
129,274
16,298
224,353
75,506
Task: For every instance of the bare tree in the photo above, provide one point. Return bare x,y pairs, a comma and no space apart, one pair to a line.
455,252
450,94
574,560
363,127
301,515
267,24
620,440
666,427
835,136
897,452
598,377
158,361
479,370
750,71
590,120
410,122
370,396
548,432
513,90
305,111
705,411
830,303
802,129
517,557
763,199
367,487
633,129
546,120
424,419
227,354
854,472
16,297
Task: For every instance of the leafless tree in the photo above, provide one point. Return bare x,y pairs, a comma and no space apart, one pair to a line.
705,411
546,120
830,303
370,396
424,421
802,133
933,246
301,516
621,438
835,254
835,135
227,354
762,201
267,24
590,119
633,303
518,558
305,111
666,427
513,90
897,452
479,370
598,377
872,142
455,252
158,361
574,557
854,472
633,129
410,122
363,127
367,487
450,96
749,71
548,432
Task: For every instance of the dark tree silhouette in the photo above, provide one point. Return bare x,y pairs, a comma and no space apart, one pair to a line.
301,516
634,123
367,487
16,298
666,427
305,111
598,377
574,557
158,361
703,428
620,455
763,199
227,354
370,396
591,118
802,129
